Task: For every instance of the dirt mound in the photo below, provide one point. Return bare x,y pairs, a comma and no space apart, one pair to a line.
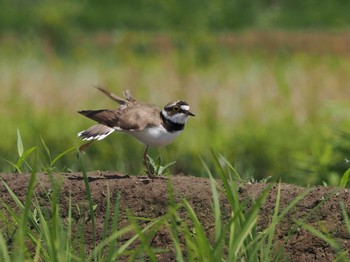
320,207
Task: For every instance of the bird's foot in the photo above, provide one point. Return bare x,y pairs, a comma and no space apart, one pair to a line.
150,176
150,171
148,179
153,176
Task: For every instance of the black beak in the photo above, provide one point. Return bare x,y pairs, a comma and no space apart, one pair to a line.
190,113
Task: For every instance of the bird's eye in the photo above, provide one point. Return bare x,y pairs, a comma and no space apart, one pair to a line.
176,108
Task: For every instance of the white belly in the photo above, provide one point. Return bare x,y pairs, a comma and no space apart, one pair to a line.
155,136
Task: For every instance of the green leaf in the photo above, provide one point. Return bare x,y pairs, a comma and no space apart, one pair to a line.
158,169
19,143
24,156
152,162
169,165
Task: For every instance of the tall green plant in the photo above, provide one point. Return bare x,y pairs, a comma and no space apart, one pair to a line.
23,155
50,165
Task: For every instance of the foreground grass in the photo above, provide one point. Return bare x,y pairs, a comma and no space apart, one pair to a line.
272,112
31,231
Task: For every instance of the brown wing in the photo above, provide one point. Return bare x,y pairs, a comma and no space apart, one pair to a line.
133,116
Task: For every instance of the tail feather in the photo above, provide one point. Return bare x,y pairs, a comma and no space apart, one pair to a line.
96,132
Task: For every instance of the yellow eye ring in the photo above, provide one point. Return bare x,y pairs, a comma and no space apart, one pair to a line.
176,108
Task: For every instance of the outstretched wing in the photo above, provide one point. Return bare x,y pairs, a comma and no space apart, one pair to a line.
116,98
107,117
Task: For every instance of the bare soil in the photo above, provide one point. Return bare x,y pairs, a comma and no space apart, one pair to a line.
319,208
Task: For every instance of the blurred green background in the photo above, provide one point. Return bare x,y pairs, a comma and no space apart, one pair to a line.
269,82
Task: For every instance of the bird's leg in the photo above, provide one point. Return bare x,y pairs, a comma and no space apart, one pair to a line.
84,147
146,163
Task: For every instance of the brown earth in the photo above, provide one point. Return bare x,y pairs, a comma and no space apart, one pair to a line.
319,208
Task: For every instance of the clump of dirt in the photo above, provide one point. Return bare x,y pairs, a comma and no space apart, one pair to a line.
149,199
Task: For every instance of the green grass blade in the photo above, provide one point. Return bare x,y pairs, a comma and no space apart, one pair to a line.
241,227
117,234
276,218
46,149
120,251
13,196
17,168
61,155
325,237
175,238
229,186
14,213
144,247
89,198
107,215
218,248
113,245
172,223
38,248
345,216
43,231
202,241
68,254
293,203
215,196
20,240
249,222
344,179
4,252
274,223
47,237
230,166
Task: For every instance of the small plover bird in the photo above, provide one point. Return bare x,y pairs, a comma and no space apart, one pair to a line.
152,126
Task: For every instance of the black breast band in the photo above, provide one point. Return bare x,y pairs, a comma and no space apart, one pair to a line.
171,126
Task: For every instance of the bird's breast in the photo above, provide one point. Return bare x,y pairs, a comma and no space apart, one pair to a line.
155,136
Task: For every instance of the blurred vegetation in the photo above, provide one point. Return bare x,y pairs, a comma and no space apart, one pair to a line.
272,112
274,102
49,17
